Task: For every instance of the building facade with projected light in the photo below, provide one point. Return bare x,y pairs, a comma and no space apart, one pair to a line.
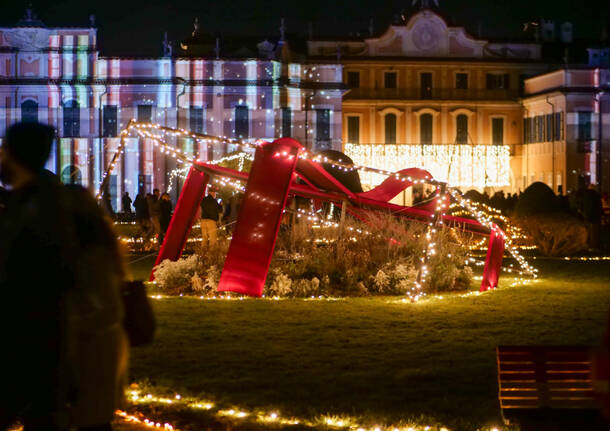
424,93
56,76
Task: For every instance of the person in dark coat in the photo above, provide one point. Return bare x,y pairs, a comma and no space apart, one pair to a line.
154,210
37,266
126,203
211,211
142,214
165,215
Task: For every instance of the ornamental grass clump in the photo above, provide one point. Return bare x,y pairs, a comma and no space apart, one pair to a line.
381,257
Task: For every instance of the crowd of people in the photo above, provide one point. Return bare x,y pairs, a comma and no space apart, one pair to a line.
61,273
153,212
587,202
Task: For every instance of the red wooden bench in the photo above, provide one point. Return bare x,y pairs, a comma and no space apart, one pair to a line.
548,388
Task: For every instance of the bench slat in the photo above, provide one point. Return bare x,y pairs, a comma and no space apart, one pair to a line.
580,384
552,356
522,403
532,377
566,366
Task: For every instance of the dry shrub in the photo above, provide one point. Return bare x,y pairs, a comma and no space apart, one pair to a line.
556,234
381,257
197,274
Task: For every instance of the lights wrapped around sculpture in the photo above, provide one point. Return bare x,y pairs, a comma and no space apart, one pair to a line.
458,165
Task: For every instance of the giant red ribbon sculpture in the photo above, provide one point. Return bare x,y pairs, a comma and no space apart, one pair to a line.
271,180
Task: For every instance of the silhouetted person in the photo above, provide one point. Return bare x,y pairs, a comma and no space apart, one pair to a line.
211,211
592,212
165,215
154,210
60,274
142,214
231,213
36,270
94,358
126,203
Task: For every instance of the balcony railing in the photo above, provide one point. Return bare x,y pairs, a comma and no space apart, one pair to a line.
431,94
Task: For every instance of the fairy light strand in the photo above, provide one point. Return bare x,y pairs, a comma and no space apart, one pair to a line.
145,130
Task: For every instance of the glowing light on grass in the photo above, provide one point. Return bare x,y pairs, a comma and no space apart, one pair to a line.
240,414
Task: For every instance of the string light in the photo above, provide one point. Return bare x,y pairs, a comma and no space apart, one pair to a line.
486,221
260,416
149,130
455,164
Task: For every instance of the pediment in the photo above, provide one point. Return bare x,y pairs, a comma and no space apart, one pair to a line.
425,35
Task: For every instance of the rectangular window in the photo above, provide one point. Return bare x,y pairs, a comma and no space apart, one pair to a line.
539,129
71,113
353,79
497,131
323,128
390,80
425,85
559,126
109,121
145,113
242,122
286,122
584,126
550,137
526,132
353,130
461,81
196,123
496,81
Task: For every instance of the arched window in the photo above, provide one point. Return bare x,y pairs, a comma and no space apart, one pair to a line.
71,119
29,111
71,175
390,129
425,129
461,129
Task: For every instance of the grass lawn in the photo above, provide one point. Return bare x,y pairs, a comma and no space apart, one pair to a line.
373,358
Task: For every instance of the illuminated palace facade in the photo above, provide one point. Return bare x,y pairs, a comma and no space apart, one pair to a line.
56,76
567,128
424,93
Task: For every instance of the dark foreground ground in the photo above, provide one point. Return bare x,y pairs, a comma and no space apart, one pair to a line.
370,361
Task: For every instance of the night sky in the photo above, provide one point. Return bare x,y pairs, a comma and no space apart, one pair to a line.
135,27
